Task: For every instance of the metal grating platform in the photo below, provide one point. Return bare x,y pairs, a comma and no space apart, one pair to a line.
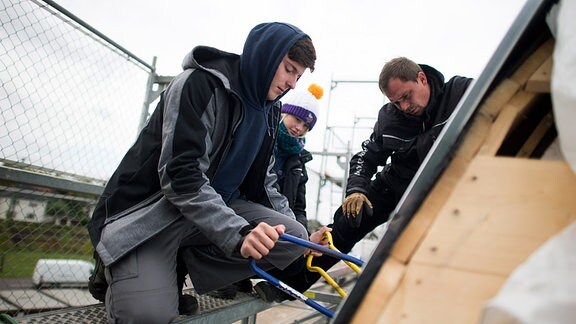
211,310
245,306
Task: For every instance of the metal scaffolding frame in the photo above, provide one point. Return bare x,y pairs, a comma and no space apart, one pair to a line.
342,157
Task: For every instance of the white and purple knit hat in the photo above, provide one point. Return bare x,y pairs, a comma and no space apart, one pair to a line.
304,104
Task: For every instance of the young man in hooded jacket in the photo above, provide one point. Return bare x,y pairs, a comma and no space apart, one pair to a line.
421,103
199,176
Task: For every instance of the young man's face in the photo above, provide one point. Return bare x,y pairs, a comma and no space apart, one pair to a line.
410,97
286,76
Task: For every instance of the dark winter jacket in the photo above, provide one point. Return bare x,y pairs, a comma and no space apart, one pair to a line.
404,138
293,184
167,172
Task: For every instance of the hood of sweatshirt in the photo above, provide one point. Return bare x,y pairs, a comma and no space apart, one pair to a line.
220,63
264,49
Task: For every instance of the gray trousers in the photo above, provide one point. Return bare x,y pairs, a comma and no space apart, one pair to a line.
142,285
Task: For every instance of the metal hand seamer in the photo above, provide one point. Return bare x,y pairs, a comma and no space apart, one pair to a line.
351,261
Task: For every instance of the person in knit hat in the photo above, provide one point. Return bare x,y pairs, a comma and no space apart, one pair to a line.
304,105
299,115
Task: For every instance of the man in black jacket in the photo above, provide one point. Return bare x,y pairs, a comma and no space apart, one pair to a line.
420,105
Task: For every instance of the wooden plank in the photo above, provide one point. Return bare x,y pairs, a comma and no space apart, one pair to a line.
522,100
487,113
533,63
500,212
475,137
506,93
505,121
413,234
498,98
439,295
540,81
532,142
498,131
380,292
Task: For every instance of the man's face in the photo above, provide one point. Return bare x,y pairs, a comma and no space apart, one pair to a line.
410,97
286,76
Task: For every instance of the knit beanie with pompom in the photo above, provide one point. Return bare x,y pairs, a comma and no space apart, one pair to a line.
304,104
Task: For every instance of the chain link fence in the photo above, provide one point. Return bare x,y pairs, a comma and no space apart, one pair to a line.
71,103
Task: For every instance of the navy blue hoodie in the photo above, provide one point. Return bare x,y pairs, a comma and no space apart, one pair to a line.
265,47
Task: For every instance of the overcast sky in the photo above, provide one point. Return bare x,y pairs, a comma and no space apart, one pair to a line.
353,39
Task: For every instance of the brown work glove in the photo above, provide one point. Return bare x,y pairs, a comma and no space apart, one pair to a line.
353,204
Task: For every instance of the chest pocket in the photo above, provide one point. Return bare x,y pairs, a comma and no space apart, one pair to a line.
396,144
297,171
436,129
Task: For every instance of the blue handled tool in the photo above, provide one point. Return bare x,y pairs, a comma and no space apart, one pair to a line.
291,291
323,249
323,273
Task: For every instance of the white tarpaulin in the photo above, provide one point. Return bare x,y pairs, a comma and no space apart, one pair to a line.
562,22
542,289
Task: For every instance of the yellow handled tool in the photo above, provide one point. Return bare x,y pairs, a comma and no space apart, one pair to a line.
323,273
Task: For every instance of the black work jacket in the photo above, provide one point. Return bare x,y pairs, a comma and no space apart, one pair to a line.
403,140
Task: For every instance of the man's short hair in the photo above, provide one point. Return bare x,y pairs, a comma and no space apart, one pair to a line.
304,53
401,68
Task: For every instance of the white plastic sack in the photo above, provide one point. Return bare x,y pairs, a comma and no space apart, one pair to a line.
542,289
562,22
